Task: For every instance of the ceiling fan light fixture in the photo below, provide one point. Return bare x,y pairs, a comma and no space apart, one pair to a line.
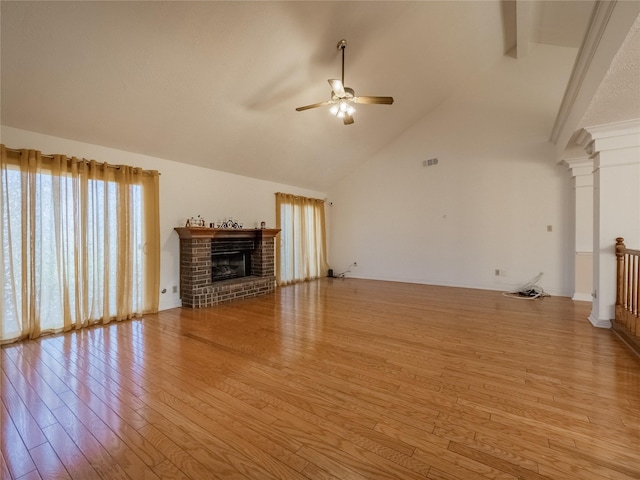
342,109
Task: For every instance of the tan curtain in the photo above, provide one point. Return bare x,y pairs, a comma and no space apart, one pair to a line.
80,243
301,252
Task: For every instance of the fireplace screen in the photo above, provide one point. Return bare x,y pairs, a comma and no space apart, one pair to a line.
226,265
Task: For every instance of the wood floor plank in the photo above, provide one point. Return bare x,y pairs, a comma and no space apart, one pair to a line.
625,461
48,463
336,467
218,459
485,458
4,468
124,450
360,452
14,451
174,453
314,472
99,388
33,475
273,459
331,379
21,417
37,372
222,415
67,451
38,402
457,466
168,471
511,452
83,439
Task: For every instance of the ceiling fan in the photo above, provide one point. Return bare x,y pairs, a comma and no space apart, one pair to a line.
343,98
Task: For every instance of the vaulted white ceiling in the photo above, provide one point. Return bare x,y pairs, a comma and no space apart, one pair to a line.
216,84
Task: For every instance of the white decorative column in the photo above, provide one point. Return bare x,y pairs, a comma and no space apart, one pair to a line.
582,172
615,151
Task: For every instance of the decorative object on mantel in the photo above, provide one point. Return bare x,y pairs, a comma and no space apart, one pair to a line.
263,225
195,222
229,223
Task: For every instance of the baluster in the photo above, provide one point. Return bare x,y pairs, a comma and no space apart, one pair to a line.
627,287
620,254
636,288
630,275
632,291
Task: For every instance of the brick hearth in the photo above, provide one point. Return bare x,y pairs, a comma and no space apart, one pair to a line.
197,289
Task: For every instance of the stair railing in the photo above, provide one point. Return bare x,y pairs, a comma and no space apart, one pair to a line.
627,321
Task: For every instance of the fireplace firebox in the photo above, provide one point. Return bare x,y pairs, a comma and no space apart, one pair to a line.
226,265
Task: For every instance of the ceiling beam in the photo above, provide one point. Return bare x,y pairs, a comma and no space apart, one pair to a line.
523,27
610,23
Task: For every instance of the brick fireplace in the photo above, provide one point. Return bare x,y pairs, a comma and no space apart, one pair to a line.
209,256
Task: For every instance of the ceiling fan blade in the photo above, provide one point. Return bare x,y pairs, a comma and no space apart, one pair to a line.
373,100
315,105
338,88
348,119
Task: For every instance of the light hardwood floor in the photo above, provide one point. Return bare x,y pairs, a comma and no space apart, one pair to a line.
334,379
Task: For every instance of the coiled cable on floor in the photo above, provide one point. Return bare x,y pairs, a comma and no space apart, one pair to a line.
528,291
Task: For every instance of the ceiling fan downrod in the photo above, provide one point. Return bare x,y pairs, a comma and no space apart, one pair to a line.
342,44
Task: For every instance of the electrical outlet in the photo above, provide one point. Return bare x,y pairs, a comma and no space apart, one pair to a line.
355,264
175,289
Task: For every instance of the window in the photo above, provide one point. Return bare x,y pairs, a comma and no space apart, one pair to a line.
301,252
76,237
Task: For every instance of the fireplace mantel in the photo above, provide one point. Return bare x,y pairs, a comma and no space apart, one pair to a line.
197,288
205,232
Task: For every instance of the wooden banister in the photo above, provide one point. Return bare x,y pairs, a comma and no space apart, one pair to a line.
627,319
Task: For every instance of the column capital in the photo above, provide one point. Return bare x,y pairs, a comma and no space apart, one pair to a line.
579,166
612,136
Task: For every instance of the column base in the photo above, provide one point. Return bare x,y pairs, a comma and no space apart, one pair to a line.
599,323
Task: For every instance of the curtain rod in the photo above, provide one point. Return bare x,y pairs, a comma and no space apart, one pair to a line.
51,156
300,196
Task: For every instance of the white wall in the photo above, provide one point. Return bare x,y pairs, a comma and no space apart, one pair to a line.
487,203
185,190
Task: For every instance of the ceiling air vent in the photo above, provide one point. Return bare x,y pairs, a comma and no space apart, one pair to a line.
430,162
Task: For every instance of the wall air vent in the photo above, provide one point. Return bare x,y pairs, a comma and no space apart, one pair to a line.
430,162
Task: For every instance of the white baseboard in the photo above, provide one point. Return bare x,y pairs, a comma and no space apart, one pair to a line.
582,297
